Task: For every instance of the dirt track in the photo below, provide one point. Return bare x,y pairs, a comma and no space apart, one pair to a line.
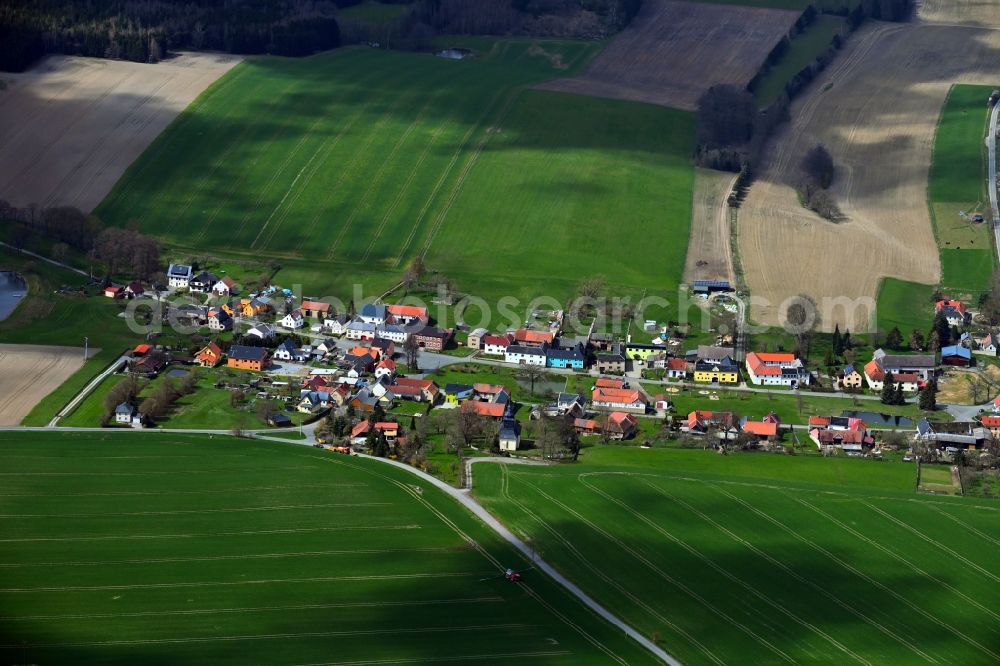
984,13
674,51
71,126
876,109
28,373
708,255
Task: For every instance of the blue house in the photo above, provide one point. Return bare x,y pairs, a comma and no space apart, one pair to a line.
566,358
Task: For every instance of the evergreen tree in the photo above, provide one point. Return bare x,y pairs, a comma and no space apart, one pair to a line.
916,340
838,343
898,398
928,396
943,330
895,338
845,341
888,389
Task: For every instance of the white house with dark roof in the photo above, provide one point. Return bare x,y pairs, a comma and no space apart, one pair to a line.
179,276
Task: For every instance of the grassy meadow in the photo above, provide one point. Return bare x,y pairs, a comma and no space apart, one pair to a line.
124,548
803,49
349,164
757,558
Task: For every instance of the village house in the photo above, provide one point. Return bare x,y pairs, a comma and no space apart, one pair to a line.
433,338
293,320
134,290
114,292
417,390
454,394
337,324
601,341
385,368
261,331
287,351
407,315
721,371
202,283
149,366
373,314
219,320
621,425
226,286
609,382
509,436
923,365
993,423
394,332
573,358
987,345
640,351
570,404
701,422
475,338
676,368
124,413
776,369
360,330
586,426
612,362
495,411
179,276
327,346
875,377
528,338
850,379
209,356
389,429
366,399
764,430
848,433
313,402
954,312
496,345
248,358
525,355
625,400
314,309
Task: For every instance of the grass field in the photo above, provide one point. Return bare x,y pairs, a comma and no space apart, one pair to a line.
766,559
382,156
955,185
803,49
907,305
157,549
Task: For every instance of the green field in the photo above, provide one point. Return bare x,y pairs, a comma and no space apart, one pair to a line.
755,558
159,549
802,51
907,305
348,164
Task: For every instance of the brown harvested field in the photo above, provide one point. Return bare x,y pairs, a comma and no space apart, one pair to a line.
28,373
709,252
876,109
674,51
985,13
71,126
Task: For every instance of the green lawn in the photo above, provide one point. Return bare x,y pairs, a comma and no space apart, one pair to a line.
966,272
372,12
904,304
803,49
126,548
757,558
346,165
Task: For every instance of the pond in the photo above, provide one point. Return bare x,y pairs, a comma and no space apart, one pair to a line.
12,289
875,420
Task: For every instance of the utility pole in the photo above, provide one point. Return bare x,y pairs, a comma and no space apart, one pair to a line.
85,341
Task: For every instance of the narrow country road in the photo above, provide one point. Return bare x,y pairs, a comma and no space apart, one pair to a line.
87,390
46,259
991,185
466,500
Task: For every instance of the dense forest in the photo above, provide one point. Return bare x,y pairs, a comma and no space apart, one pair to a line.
144,30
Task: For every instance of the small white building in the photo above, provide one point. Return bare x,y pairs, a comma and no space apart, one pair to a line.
293,320
393,332
179,276
336,325
262,331
124,413
522,355
360,330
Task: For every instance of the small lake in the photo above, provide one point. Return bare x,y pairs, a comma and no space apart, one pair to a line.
12,290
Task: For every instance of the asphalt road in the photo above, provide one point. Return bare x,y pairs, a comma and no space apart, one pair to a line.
991,186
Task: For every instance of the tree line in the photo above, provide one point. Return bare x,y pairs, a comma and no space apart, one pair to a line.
144,31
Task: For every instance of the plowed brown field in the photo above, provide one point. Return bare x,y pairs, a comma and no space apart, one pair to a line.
709,252
876,110
674,51
71,126
985,13
28,373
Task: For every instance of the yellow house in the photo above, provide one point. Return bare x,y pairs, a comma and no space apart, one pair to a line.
641,352
717,372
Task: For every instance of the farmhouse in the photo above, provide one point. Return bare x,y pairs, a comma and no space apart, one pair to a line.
248,358
847,433
124,413
373,314
360,330
225,287
407,314
621,425
702,422
389,429
493,410
723,371
641,352
763,430
993,423
923,365
337,324
676,368
418,390
202,283
209,356
314,308
179,276
625,400
953,311
573,357
958,435
849,378
612,362
776,369
219,320
433,338
496,345
262,331
313,402
528,338
393,332
526,355
287,351
134,290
